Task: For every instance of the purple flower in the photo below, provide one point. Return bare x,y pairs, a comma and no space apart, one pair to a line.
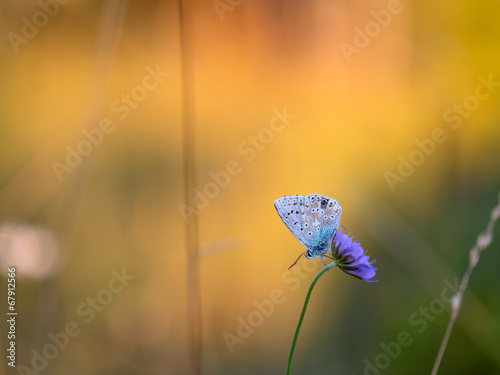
350,257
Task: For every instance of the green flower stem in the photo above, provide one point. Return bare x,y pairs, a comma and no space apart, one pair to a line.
304,308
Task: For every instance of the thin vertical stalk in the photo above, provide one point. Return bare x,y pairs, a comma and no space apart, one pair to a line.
188,126
482,242
303,313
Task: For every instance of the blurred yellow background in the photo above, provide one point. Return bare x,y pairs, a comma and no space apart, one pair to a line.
390,107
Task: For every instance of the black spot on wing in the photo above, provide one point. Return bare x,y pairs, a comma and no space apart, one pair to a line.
324,202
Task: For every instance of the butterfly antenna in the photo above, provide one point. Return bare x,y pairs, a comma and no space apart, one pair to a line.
294,263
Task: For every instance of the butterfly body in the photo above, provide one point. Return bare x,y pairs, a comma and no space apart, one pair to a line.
312,219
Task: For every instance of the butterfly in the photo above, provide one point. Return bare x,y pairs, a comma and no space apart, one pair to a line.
312,219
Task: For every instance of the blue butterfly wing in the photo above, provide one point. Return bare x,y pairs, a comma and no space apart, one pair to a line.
312,219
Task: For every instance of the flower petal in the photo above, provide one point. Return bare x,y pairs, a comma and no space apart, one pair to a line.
351,258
